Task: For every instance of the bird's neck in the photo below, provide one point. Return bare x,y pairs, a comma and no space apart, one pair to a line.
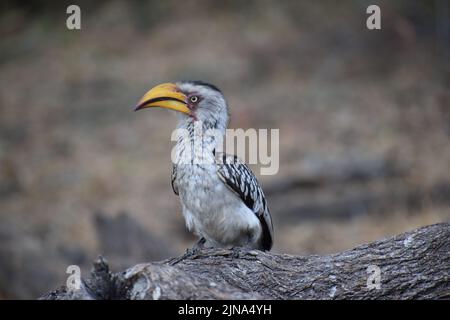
197,141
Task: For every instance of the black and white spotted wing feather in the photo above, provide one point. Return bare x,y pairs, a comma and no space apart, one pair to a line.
240,179
174,179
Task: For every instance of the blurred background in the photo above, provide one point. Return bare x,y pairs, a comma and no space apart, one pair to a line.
364,119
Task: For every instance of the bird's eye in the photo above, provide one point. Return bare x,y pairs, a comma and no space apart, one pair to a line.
194,99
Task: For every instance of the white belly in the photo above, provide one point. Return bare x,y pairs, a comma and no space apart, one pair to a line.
213,211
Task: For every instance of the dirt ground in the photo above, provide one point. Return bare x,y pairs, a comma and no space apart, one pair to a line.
364,120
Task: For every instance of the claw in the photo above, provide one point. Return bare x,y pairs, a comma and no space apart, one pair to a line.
196,248
236,251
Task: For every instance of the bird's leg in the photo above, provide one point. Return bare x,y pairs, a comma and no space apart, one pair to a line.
200,243
198,246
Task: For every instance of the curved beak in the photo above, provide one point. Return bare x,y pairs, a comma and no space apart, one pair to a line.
166,95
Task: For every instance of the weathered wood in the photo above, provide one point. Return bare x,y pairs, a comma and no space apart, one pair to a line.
414,265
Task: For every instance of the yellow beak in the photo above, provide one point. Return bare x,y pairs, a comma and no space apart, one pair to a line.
166,95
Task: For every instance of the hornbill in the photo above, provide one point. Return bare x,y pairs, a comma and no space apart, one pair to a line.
222,202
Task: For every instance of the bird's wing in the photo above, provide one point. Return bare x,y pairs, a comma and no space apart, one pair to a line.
174,179
238,177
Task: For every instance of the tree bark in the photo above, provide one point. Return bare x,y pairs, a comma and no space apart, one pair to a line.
414,265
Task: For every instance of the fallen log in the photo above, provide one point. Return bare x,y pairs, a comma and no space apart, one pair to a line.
414,265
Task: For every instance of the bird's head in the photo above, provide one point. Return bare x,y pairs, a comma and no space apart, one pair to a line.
193,101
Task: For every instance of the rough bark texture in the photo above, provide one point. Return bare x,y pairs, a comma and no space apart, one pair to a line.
414,265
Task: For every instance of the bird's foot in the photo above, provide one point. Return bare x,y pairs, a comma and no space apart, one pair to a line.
198,246
235,252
